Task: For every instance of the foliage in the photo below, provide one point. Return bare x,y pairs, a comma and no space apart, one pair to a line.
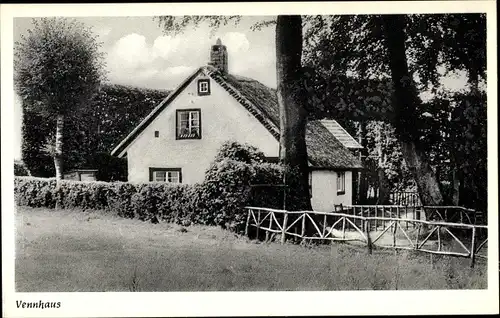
245,153
469,142
384,152
34,192
99,126
347,67
58,66
227,185
20,169
109,168
177,24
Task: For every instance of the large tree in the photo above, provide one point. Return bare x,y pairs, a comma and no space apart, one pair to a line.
57,68
352,76
290,90
406,102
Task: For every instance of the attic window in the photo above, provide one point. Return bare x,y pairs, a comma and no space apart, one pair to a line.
157,134
203,87
188,124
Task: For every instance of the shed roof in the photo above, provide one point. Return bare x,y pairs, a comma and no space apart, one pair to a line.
341,134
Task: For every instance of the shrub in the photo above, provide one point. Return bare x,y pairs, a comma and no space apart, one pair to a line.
35,192
232,150
20,169
167,202
85,195
229,185
120,198
219,200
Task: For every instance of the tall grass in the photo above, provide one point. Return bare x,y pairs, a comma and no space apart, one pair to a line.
66,251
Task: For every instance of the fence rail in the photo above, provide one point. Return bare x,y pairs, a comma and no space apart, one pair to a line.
383,229
407,198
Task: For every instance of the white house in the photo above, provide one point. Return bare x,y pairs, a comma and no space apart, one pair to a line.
178,140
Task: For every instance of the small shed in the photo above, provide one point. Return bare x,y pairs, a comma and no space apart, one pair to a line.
81,175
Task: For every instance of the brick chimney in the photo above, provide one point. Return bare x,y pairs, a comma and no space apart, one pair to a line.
218,57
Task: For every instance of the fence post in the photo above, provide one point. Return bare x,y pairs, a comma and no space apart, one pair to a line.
394,233
271,214
368,239
248,222
324,226
473,248
343,228
418,235
303,232
283,231
258,223
439,237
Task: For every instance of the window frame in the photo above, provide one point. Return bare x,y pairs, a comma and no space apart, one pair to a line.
177,114
199,84
152,171
341,182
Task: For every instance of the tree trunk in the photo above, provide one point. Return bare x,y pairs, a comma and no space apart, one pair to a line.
58,159
362,186
455,190
293,113
406,102
383,187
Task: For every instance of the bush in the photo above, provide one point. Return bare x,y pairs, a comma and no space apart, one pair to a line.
20,169
227,187
232,150
163,201
35,192
219,200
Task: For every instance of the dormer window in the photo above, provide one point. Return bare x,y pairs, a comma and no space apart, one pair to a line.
203,87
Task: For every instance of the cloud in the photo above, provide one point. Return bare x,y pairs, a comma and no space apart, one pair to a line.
165,46
131,51
235,42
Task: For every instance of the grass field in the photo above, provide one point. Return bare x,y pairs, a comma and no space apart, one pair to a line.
64,251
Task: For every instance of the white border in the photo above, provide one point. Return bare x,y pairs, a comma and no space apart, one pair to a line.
240,303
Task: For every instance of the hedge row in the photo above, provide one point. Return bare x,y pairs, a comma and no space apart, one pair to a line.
219,200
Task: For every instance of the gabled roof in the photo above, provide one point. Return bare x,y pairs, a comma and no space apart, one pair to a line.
324,150
341,134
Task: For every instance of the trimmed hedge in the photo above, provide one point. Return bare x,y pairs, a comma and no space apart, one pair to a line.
219,200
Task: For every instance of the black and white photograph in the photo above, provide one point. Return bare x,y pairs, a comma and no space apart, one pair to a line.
249,159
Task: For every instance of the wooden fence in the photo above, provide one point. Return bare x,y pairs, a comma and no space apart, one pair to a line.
406,198
385,231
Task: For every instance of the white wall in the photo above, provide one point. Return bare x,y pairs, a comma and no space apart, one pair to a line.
222,119
324,190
